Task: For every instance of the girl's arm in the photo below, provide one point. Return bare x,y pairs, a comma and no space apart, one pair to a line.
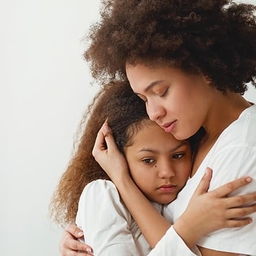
214,205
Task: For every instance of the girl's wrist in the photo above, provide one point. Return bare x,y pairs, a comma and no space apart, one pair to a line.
122,179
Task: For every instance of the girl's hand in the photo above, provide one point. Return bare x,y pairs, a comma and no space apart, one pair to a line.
70,246
108,155
214,210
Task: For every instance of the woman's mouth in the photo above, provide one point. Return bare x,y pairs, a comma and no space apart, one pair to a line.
169,126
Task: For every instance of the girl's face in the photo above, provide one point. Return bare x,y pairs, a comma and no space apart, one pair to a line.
159,164
176,101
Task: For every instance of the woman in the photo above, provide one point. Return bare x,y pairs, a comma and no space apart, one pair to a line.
189,62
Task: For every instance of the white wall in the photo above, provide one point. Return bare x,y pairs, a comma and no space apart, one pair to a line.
44,91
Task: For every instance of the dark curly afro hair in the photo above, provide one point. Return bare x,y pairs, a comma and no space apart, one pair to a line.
214,37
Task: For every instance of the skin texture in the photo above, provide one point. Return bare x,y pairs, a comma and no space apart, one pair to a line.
172,95
159,164
181,103
212,42
212,203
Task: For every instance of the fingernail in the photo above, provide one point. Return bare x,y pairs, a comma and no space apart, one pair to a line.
248,179
106,130
80,233
89,251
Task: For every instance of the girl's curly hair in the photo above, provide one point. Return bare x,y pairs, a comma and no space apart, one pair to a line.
126,114
214,37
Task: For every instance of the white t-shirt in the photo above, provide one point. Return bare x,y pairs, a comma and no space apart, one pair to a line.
110,229
232,156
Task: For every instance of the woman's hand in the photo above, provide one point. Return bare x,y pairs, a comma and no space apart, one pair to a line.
108,155
70,246
214,210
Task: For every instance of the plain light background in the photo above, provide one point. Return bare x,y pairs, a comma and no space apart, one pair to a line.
45,88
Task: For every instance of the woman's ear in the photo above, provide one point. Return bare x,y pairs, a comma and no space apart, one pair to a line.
207,80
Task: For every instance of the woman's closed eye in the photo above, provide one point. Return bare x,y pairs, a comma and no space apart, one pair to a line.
142,97
161,90
163,94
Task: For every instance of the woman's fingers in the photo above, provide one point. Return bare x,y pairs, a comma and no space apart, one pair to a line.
70,246
235,223
74,247
204,184
240,212
241,201
226,189
74,231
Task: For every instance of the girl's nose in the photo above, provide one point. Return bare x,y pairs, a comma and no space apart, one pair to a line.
165,170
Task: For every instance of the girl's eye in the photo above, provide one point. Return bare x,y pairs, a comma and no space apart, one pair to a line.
148,161
178,155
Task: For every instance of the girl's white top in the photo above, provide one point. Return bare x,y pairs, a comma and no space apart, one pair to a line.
110,229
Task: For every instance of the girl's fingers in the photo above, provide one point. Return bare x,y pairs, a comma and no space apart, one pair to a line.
109,139
226,189
103,140
100,143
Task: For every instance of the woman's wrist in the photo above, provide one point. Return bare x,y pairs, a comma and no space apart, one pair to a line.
187,232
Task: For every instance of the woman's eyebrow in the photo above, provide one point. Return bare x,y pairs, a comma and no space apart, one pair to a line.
152,85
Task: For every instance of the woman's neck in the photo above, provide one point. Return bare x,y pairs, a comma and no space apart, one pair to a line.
225,111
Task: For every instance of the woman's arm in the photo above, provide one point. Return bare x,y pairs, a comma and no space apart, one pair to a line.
70,245
189,226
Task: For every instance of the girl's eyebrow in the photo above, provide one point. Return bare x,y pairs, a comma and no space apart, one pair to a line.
173,149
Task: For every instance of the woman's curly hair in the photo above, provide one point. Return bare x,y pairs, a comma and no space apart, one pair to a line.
216,38
126,114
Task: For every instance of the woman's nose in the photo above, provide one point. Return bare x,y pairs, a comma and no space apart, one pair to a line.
154,111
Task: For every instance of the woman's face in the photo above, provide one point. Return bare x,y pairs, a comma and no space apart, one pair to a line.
159,164
176,101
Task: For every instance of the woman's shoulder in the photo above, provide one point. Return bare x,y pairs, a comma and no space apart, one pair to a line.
240,133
